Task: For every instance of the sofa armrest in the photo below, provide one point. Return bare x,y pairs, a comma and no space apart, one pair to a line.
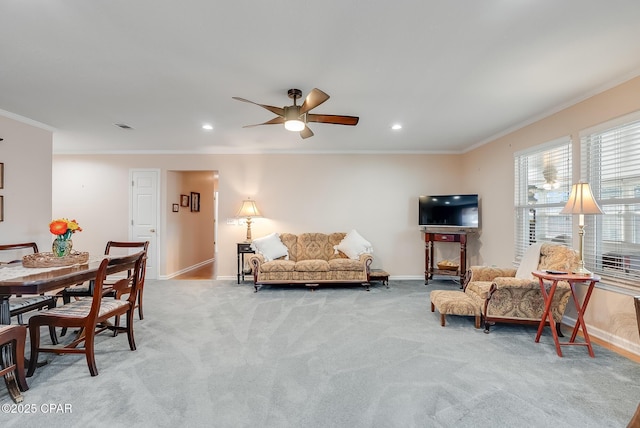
488,273
255,260
366,259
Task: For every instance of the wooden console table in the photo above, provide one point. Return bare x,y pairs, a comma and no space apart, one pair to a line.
430,238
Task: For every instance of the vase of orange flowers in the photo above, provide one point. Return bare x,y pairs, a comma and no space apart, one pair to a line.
63,229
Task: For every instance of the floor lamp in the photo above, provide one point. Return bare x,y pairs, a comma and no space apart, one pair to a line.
581,202
248,210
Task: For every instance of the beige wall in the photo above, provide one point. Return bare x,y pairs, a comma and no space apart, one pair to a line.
377,195
26,155
491,167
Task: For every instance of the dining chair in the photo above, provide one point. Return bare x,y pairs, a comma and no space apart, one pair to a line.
86,289
14,337
133,276
20,304
89,315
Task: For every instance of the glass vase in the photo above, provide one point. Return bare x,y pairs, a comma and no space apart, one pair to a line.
61,246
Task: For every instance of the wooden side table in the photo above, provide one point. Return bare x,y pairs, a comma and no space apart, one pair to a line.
572,279
243,248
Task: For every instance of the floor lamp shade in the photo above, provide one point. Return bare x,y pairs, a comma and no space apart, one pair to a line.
248,210
581,202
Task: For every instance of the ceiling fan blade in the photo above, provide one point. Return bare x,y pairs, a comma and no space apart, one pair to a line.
274,121
306,132
275,110
313,100
330,118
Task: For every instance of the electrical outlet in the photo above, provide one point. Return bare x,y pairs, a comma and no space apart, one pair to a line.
232,221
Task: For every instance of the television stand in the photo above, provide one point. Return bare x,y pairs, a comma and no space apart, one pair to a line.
430,238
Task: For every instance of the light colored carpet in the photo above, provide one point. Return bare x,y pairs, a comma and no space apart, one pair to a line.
216,354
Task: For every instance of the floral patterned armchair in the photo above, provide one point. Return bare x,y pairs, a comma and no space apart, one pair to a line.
503,297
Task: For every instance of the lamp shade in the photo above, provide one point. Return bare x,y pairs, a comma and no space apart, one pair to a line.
581,201
248,209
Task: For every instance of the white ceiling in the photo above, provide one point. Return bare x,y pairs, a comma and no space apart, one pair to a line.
455,73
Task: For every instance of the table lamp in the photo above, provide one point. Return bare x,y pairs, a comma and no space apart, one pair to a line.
581,202
248,210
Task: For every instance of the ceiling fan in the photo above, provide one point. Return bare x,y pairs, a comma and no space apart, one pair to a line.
295,117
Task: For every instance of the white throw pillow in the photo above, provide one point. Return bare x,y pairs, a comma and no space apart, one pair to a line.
353,245
270,246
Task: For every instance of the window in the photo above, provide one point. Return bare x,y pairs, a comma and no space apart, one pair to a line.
611,165
542,186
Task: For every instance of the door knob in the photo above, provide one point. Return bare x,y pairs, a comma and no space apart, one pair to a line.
152,230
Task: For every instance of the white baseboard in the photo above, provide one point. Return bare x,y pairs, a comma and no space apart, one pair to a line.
607,337
405,277
185,270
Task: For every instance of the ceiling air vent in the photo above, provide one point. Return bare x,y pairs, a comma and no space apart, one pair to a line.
123,125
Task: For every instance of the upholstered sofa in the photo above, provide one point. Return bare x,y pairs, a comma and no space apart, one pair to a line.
513,295
312,259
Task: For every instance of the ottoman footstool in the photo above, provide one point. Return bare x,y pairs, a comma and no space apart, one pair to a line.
453,302
379,275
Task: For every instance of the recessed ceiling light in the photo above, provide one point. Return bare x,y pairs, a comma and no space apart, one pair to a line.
207,127
396,126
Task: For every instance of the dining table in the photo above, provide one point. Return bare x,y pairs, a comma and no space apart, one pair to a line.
16,279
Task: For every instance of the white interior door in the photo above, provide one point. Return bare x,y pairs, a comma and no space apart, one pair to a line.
145,214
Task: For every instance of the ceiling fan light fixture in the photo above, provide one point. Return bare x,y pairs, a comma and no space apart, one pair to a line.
296,117
295,125
292,121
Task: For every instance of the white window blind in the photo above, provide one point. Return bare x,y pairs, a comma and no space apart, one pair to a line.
542,186
611,164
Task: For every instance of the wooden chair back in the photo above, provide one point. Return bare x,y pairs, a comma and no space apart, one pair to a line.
130,264
128,245
86,290
15,249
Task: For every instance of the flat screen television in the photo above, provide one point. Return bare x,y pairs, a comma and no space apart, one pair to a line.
455,211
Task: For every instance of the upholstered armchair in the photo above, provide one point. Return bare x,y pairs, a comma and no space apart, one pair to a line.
513,295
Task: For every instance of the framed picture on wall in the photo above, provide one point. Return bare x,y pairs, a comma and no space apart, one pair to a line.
184,200
176,207
1,175
195,201
1,208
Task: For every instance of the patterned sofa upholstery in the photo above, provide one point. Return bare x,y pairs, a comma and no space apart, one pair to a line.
505,298
312,260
